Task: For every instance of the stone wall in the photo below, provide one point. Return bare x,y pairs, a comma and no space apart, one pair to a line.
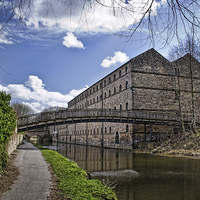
14,141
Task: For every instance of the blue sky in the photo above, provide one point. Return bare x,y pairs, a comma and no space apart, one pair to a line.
52,61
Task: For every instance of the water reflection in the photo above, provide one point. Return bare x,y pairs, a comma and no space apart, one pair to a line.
140,176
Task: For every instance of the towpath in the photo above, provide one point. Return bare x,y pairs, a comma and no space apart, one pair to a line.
34,180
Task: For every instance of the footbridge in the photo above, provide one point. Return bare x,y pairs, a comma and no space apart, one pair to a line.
67,116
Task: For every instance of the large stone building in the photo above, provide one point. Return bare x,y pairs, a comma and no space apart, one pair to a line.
148,83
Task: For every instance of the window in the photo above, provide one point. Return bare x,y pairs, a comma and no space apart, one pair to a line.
127,128
176,71
126,84
105,95
100,85
93,100
127,106
120,74
104,83
101,97
105,130
120,107
97,98
97,87
120,88
109,80
93,89
97,131
115,108
110,129
114,77
109,92
114,90
94,131
126,69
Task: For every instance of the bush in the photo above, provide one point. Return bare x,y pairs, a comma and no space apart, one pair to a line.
7,126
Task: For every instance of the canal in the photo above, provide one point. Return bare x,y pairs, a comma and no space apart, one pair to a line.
138,176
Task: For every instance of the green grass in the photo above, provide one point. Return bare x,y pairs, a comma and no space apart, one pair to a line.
73,181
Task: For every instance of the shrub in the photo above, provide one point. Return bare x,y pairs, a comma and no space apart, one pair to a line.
7,126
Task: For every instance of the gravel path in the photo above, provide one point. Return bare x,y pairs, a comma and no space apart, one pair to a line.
34,180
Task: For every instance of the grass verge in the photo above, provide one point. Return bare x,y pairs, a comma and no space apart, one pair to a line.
73,181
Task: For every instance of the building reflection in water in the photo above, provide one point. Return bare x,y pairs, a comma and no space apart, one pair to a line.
95,159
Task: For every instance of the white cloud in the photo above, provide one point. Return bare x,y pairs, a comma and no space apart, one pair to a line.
36,96
71,41
118,57
4,40
94,18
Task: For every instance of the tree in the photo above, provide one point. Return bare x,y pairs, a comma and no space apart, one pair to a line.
22,109
161,18
192,47
186,45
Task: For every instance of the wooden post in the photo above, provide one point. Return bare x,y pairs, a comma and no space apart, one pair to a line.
145,132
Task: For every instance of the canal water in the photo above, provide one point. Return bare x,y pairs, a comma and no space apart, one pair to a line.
138,176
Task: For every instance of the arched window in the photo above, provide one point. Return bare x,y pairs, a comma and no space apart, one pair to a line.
114,90
126,84
97,98
94,131
127,106
109,92
120,88
110,129
105,130
114,77
105,95
104,83
120,107
93,100
126,69
120,73
109,80
101,97
97,87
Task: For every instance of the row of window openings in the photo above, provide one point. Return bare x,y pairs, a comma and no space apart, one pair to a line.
101,84
115,108
96,131
105,94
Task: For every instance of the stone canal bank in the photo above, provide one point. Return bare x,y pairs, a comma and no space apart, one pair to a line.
34,179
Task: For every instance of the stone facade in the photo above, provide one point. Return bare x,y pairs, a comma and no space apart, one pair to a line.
148,83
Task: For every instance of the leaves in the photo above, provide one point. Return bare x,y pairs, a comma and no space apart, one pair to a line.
7,126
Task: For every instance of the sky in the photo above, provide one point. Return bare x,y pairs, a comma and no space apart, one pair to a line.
61,53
